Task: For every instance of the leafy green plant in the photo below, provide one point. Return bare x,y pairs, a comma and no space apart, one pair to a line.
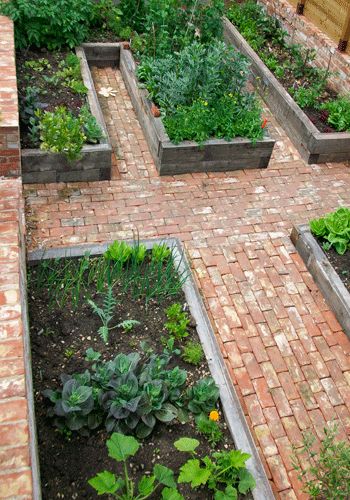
38,65
307,97
105,313
178,321
119,252
90,127
29,104
193,353
61,132
339,113
106,16
160,253
334,229
327,470
203,396
223,472
209,428
53,25
128,324
127,395
121,448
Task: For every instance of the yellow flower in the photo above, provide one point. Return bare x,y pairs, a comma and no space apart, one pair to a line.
205,103
214,415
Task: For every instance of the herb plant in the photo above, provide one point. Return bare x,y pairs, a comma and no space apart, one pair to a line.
327,471
333,230
121,448
105,313
128,324
193,353
178,321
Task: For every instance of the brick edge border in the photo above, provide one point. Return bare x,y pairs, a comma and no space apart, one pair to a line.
96,163
313,145
234,414
335,293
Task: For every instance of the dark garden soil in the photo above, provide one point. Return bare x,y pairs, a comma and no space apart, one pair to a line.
59,339
50,95
103,36
341,264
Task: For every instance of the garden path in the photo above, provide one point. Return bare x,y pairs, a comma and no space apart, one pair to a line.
287,355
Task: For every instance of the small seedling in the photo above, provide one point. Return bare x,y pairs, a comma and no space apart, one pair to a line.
209,428
128,324
69,353
92,355
105,312
178,321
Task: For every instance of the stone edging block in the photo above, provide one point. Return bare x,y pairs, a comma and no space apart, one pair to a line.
335,293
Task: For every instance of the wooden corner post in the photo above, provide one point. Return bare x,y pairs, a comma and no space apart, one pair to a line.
301,7
343,42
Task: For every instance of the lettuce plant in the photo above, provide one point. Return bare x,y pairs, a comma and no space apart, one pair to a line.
203,396
334,230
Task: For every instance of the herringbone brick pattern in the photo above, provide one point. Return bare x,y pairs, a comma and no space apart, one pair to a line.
287,354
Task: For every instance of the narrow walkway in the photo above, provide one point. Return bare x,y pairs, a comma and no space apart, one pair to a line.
288,357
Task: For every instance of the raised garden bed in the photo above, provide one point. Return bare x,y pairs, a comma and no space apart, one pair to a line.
314,145
96,159
334,284
213,155
68,460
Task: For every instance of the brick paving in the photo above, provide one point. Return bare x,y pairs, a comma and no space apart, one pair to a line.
15,473
286,353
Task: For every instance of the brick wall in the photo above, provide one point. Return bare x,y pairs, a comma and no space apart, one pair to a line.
9,127
304,32
16,459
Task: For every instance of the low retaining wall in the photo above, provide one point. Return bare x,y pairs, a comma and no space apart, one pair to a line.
335,293
10,159
303,31
96,162
214,155
18,457
233,413
313,145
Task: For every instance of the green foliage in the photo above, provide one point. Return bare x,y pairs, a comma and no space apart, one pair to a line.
178,321
121,448
106,16
339,113
284,59
160,253
105,313
29,104
334,228
308,97
128,324
69,74
203,396
224,469
61,132
327,474
50,24
127,394
38,65
67,279
91,128
201,93
193,353
209,428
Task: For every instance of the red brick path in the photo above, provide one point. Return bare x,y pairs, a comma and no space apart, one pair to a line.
288,357
15,474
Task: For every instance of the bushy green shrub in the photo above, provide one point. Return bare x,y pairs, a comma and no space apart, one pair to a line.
47,23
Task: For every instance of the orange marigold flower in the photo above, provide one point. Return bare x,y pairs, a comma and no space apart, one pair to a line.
214,415
264,123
